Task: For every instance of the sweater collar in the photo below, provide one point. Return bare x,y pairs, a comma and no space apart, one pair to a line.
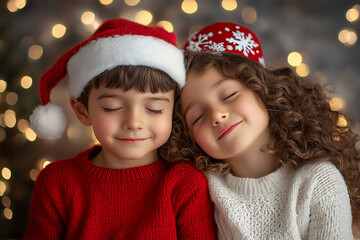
263,185
141,172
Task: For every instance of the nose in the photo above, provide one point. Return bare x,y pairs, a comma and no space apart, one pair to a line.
218,117
133,121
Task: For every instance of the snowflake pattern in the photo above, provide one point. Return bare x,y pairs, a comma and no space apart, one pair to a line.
243,43
203,39
217,47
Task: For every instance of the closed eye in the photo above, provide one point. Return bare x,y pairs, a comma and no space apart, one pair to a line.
154,111
229,96
111,109
198,119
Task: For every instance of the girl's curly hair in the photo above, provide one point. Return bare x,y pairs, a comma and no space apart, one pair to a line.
302,125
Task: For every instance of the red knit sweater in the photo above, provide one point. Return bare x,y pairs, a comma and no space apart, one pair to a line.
75,199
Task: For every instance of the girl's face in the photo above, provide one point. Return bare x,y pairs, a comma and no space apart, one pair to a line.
226,119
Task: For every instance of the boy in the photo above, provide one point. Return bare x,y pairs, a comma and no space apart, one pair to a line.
123,82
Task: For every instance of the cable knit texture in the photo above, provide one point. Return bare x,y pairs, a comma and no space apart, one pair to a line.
75,199
311,202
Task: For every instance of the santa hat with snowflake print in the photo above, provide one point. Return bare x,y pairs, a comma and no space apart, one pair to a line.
226,37
116,42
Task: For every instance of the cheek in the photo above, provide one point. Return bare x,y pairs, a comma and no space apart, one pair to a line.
202,136
162,126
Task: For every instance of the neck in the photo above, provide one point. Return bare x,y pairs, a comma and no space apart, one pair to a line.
253,163
107,159
256,165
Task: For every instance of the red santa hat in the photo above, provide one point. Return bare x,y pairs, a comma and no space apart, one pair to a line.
116,42
226,37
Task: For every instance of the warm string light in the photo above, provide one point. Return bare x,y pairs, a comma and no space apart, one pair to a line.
166,25
132,2
143,17
249,15
347,36
229,5
14,5
58,30
105,2
295,59
189,6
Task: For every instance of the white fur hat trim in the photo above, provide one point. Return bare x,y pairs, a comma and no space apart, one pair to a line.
107,53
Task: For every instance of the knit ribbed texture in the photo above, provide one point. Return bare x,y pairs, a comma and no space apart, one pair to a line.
311,202
75,199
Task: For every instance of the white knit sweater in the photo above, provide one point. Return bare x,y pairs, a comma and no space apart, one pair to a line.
311,202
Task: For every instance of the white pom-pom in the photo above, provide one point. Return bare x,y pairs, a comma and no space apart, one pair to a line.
48,121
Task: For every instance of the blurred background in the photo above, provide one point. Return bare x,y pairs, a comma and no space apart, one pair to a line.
318,38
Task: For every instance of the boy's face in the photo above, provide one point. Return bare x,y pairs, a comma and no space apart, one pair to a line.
130,125
226,119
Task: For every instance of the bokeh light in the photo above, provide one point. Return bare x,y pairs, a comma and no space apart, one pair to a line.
143,17
20,4
105,2
8,213
58,31
6,173
352,14
88,18
294,59
348,37
10,118
6,201
33,174
11,98
341,121
35,52
166,25
303,70
3,85
229,5
249,15
2,188
189,6
26,82
23,125
132,2
336,104
30,134
11,6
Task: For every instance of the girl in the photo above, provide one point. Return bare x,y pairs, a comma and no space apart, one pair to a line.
280,165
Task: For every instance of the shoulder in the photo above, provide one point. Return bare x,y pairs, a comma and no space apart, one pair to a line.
320,171
61,169
185,173
323,178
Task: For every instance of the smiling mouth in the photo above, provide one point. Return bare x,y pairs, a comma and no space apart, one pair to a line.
228,129
132,140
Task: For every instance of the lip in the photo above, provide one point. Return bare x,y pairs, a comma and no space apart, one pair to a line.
132,140
228,129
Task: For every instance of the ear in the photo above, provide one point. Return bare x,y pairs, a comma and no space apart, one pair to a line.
81,111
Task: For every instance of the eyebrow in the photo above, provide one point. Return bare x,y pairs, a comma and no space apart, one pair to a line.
215,85
102,96
218,83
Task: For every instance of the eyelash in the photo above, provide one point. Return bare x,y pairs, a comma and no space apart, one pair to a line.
111,109
155,111
198,119
116,109
230,96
